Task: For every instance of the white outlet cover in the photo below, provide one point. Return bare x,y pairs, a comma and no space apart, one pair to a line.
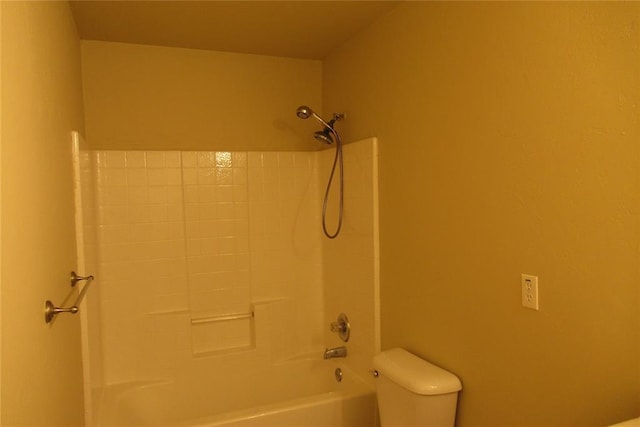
529,286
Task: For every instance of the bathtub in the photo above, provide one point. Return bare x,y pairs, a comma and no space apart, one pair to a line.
317,400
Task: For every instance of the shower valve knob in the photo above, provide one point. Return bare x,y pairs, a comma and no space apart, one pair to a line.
342,327
336,327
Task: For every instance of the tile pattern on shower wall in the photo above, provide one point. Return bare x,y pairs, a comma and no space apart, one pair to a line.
217,232
285,248
142,257
217,241
173,233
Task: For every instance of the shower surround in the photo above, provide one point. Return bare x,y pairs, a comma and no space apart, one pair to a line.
214,278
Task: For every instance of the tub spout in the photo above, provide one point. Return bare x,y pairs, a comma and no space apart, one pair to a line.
330,353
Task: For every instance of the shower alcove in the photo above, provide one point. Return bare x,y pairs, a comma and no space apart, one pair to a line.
214,284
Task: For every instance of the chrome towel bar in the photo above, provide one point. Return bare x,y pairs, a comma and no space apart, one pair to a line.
50,310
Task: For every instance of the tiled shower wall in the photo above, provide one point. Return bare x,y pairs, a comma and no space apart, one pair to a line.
182,236
285,241
187,236
142,255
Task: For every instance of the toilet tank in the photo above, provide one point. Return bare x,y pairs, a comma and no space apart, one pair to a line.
414,392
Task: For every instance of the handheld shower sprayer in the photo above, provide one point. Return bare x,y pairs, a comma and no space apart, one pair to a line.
305,112
326,136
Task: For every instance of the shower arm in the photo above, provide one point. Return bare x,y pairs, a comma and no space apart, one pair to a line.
336,118
321,120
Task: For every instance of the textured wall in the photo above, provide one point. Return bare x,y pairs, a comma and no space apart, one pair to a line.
508,140
41,105
158,98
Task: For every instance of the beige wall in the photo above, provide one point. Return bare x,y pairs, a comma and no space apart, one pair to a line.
147,97
508,144
0,213
41,104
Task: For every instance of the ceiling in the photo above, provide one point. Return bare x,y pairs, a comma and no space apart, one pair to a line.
297,29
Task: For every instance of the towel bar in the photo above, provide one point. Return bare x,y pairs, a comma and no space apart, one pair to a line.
51,311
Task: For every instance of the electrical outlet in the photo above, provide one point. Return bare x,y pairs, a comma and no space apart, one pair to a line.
530,291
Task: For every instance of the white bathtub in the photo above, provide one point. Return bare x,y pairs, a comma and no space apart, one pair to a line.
314,399
335,409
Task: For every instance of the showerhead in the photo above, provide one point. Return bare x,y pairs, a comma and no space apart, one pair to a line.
324,136
304,112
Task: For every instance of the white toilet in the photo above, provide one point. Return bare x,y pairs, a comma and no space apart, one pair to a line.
413,392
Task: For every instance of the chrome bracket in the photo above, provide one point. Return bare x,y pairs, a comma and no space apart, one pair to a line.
75,278
338,116
50,310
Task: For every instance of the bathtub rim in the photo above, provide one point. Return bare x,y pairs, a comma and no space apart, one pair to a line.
111,400
220,420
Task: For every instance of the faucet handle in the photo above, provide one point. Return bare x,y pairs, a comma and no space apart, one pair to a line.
337,327
342,327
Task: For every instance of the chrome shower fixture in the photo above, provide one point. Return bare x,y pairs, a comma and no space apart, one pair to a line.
324,136
305,112
329,135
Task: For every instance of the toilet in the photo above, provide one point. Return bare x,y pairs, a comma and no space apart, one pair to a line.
413,392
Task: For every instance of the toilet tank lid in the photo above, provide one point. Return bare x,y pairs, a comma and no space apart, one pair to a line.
415,374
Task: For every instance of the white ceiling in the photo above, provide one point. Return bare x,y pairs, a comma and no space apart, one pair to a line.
297,29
